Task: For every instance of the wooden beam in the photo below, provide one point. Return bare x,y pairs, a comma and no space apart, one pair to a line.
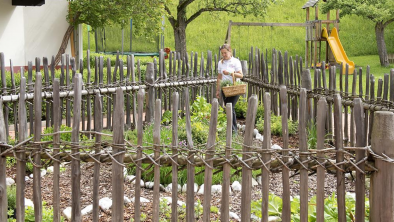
270,24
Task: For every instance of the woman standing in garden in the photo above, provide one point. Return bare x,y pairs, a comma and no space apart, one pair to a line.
227,67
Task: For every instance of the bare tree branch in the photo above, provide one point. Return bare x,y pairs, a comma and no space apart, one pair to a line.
198,13
170,16
388,22
184,4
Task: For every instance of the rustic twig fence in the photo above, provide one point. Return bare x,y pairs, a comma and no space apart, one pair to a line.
286,90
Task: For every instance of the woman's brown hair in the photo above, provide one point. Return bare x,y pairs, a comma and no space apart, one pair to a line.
227,47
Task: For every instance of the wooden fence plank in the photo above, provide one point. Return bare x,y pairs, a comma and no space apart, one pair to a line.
118,154
151,92
225,202
128,98
371,113
303,148
156,156
140,131
4,85
98,126
286,209
30,88
47,104
366,120
339,158
75,163
352,129
210,150
266,146
21,161
190,166
14,104
68,108
382,204
321,132
56,146
174,144
360,155
37,200
109,99
306,83
3,163
134,119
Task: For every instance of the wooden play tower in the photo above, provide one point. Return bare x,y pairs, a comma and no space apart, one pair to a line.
313,37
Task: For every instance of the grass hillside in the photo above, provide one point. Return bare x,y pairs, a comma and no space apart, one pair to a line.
208,32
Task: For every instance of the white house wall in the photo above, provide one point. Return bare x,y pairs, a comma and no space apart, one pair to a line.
30,32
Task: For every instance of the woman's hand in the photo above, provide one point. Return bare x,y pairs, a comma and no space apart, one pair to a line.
217,94
226,72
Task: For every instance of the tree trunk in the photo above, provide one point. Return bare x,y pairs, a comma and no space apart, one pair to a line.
180,33
64,44
382,50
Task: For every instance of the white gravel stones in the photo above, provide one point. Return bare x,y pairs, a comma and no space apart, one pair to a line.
87,210
276,147
9,181
27,178
28,203
50,169
142,200
236,186
126,200
201,190
105,203
274,219
67,213
216,189
234,216
43,172
255,132
149,185
254,182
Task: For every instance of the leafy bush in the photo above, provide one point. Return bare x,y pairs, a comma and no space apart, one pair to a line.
330,208
11,197
276,125
241,107
63,136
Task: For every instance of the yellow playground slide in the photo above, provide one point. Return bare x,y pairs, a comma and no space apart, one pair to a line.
337,49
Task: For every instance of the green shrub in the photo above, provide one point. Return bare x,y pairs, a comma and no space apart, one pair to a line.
11,197
63,136
47,214
276,125
241,107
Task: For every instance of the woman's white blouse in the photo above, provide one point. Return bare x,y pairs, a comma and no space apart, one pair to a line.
231,65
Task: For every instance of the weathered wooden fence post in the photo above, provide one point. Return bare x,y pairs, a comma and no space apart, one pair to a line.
137,210
190,162
98,127
37,200
209,160
150,106
156,147
174,207
382,142
224,210
303,120
267,157
75,163
118,150
246,171
56,146
321,132
361,141
3,161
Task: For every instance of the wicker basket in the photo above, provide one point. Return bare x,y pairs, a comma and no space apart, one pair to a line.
234,90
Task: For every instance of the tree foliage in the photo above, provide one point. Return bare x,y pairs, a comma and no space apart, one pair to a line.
146,14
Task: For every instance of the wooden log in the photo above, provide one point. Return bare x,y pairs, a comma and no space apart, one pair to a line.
68,105
371,113
352,128
118,153
190,164
382,202
140,131
83,106
88,99
47,104
151,92
4,84
339,158
98,126
134,119
3,163
75,163
174,144
391,85
21,161
56,146
14,106
303,148
266,158
37,200
225,202
156,156
210,150
360,155
306,83
386,86
109,99
366,120
286,208
321,132
30,88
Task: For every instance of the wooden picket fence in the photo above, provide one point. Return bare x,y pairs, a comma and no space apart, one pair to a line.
286,90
